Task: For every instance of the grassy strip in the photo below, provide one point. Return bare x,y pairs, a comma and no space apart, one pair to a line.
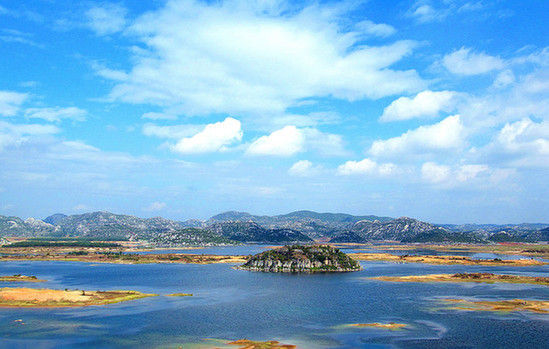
20,278
468,277
444,260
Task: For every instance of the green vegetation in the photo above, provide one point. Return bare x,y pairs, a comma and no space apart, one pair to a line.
43,243
297,258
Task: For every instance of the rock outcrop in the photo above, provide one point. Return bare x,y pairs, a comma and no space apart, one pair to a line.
299,258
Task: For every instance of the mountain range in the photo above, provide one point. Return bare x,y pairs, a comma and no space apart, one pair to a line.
241,227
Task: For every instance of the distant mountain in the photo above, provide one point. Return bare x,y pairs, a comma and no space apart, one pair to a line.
108,225
396,229
15,226
233,226
253,232
54,218
440,235
188,236
313,224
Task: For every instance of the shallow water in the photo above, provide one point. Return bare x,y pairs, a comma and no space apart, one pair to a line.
302,309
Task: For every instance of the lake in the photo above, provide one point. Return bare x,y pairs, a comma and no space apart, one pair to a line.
308,310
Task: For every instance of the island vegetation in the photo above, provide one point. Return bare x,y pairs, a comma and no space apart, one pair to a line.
46,298
523,249
443,260
248,344
387,326
180,295
468,277
534,306
300,258
20,278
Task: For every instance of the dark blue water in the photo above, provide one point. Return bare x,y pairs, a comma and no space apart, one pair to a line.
307,310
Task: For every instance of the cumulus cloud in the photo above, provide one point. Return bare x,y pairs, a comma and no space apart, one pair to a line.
155,206
158,116
56,114
466,62
434,173
284,142
504,79
520,143
424,104
451,176
444,135
174,132
15,134
10,102
291,140
214,137
256,57
304,168
106,19
366,166
375,29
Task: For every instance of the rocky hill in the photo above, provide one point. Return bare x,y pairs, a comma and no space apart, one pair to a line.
188,236
403,228
298,258
299,226
313,224
253,232
108,225
15,226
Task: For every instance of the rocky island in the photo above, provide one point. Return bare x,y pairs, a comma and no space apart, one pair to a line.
300,258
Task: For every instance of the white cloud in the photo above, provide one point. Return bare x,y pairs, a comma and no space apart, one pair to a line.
424,104
304,168
56,114
424,13
106,19
468,172
451,176
434,173
159,116
444,135
284,142
323,143
10,102
375,29
291,140
465,62
155,206
366,166
504,78
214,137
15,134
175,132
255,57
519,144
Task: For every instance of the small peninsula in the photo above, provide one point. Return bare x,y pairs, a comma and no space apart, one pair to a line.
534,306
20,278
46,298
444,259
300,258
468,277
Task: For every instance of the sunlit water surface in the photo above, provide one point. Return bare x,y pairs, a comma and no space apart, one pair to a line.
307,310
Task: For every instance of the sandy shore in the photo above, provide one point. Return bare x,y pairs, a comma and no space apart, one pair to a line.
468,277
46,298
443,260
534,306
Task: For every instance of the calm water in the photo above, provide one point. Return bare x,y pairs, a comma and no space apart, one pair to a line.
307,310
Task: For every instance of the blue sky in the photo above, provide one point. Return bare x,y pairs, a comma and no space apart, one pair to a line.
437,110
